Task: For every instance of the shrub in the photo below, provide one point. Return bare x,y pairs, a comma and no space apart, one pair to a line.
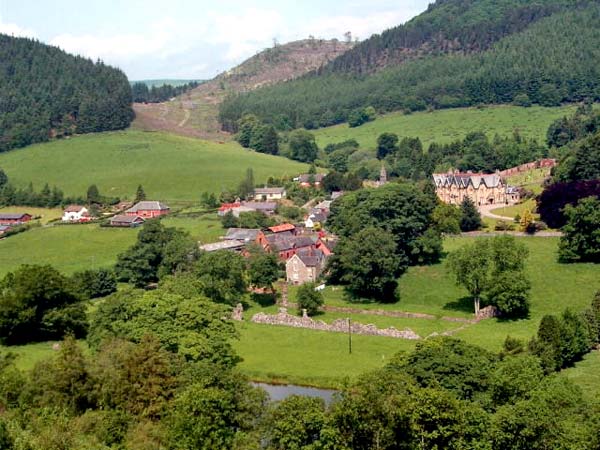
309,299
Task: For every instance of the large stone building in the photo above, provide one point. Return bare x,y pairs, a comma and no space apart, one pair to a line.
483,189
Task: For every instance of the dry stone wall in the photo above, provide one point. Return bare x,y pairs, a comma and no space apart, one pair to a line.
338,326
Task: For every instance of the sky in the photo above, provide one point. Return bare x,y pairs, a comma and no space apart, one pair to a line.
189,39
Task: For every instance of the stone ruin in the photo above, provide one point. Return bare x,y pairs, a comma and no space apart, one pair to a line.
238,312
337,326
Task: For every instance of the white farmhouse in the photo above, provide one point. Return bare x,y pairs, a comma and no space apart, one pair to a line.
76,213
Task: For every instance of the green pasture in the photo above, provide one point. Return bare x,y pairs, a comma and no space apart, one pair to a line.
205,228
69,248
448,125
586,374
284,354
171,168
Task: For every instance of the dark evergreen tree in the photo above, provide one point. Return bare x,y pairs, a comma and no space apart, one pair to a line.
140,195
470,218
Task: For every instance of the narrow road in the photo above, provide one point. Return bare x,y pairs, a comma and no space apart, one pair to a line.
185,119
486,211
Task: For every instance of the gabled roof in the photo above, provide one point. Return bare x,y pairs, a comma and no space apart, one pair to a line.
241,234
13,216
310,257
267,191
4,228
464,180
283,227
304,178
126,219
148,206
261,206
223,245
74,208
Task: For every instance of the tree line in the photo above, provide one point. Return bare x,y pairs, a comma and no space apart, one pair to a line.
571,197
47,93
157,94
161,373
445,27
543,64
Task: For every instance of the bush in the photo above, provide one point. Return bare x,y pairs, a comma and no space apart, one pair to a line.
309,299
502,225
95,283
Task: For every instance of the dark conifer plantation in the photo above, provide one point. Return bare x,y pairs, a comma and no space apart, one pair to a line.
45,93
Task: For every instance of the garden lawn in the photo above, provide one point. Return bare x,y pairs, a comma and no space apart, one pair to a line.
449,125
513,210
170,168
68,248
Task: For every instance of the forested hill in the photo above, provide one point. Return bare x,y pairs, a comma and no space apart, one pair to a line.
448,26
552,60
45,93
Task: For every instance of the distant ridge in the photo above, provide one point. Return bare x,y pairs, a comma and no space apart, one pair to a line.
458,53
195,113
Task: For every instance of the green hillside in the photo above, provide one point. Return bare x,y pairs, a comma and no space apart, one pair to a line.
548,62
448,125
168,166
46,93
69,248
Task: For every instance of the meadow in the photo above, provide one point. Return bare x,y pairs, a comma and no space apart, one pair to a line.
309,357
69,248
444,126
283,354
171,168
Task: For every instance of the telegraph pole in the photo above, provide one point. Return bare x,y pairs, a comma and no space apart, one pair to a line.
349,337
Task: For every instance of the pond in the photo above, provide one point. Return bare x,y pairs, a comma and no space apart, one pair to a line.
280,391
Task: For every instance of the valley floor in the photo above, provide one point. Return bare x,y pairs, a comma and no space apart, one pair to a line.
289,355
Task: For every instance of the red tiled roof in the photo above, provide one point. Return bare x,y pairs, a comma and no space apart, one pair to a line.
283,227
226,206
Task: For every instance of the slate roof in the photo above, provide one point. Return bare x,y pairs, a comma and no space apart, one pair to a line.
4,228
148,206
267,191
261,206
304,178
310,257
463,180
241,234
125,219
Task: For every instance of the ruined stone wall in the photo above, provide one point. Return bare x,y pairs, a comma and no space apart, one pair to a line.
339,326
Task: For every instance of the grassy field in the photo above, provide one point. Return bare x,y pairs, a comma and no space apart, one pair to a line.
283,354
45,214
169,167
292,355
586,375
69,248
450,124
205,229
309,357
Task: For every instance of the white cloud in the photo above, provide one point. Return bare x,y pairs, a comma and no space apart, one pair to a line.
360,26
159,41
13,29
246,32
